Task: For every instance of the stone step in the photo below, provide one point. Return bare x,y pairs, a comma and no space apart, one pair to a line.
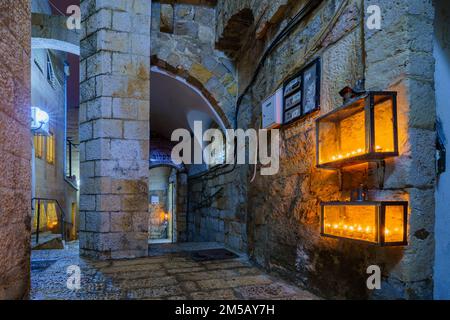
47,241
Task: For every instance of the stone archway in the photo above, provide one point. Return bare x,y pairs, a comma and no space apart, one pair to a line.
178,72
54,44
220,97
188,50
52,33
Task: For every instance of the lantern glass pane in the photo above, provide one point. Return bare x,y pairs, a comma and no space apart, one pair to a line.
357,222
394,223
342,135
384,124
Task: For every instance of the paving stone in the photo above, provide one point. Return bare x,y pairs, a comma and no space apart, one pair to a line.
154,278
214,295
233,282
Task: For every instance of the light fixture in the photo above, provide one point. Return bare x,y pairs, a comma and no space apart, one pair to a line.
363,129
383,223
39,121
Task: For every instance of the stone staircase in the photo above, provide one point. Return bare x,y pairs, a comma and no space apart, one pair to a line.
47,241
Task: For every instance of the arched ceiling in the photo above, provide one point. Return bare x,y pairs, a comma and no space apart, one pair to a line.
175,104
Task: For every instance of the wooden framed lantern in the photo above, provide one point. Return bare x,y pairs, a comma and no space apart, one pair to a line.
363,129
382,223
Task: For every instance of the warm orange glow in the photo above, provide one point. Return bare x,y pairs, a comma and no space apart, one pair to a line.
38,146
52,224
355,222
51,149
347,132
52,218
384,125
362,222
394,224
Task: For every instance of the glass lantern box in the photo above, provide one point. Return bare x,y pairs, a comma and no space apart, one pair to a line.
382,223
363,129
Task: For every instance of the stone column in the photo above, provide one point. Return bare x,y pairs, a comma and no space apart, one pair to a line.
114,128
15,149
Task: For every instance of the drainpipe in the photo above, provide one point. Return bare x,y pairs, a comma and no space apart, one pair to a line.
66,74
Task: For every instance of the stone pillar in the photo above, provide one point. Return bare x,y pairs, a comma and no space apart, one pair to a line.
114,128
15,149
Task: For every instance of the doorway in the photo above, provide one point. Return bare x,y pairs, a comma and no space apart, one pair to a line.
162,205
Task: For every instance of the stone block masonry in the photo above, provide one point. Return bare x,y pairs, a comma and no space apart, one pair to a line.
187,49
114,128
283,211
15,149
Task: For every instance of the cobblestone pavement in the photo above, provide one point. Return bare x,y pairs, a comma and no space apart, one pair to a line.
169,276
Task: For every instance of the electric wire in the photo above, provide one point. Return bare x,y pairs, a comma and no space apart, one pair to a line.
311,5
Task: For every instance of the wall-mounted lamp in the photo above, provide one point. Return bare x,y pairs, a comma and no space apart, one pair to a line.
363,129
382,223
39,121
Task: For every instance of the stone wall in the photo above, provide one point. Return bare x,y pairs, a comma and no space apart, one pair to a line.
181,206
15,149
114,128
52,27
187,50
282,211
183,43
218,208
409,70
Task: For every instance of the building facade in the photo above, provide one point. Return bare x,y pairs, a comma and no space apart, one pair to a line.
152,67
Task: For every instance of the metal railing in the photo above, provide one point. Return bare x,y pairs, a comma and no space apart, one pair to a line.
61,216
71,147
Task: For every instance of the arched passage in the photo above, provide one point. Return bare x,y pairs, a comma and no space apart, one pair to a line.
54,44
176,103
215,102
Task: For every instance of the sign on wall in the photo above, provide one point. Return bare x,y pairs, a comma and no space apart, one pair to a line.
302,93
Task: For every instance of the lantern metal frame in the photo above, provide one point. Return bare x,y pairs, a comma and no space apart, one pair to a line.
371,153
380,221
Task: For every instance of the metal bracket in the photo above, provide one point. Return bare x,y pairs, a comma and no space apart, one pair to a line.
381,172
340,179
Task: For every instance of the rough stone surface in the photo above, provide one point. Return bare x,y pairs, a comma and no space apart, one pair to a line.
114,128
188,51
280,214
15,149
162,277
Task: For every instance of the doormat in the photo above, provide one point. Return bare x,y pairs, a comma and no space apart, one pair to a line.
212,255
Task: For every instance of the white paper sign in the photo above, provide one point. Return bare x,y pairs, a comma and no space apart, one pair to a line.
155,200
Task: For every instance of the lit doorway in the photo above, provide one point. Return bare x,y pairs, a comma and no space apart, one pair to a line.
162,205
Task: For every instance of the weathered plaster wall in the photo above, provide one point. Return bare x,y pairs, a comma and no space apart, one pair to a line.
283,210
15,149
114,128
